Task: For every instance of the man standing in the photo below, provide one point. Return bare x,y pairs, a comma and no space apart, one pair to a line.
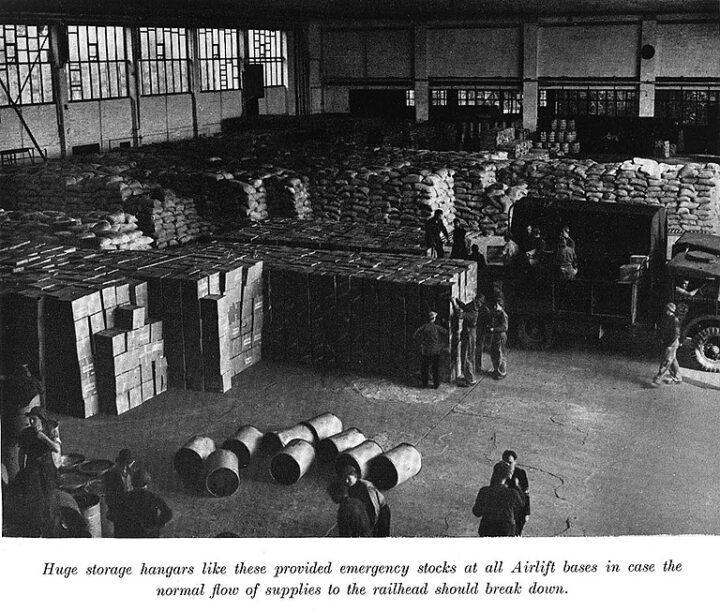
434,231
118,479
510,251
566,260
459,246
498,340
669,339
352,519
469,314
430,337
374,501
496,505
518,481
139,514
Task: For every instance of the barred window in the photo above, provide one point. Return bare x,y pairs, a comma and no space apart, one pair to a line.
219,59
438,97
25,64
542,98
96,66
597,102
505,100
687,106
269,48
163,61
409,97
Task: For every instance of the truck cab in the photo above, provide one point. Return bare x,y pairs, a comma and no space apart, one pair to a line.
694,286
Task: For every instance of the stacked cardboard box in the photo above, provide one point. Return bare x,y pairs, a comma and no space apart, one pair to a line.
341,310
206,304
130,364
354,237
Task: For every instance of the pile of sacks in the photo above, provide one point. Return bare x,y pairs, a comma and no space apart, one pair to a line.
288,196
690,192
170,220
97,229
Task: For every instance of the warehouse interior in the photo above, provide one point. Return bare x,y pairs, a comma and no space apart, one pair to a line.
215,252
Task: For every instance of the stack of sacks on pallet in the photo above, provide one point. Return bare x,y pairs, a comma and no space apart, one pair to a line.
690,192
129,362
352,311
168,219
211,310
354,237
287,196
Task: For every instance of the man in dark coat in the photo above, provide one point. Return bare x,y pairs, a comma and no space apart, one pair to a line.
459,241
117,480
434,231
566,260
518,481
432,338
374,501
669,339
139,514
497,504
352,518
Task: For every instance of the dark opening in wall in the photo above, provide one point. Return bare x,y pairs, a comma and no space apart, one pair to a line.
384,103
86,149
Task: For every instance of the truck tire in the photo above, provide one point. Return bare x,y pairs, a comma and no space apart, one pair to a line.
706,349
534,333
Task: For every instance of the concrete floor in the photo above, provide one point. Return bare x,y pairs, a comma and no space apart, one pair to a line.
606,454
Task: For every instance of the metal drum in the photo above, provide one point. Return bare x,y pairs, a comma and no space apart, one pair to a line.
245,443
358,457
292,462
395,466
328,449
221,473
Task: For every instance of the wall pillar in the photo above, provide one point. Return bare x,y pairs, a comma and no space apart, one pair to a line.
648,68
530,76
132,48
315,82
194,75
58,67
422,91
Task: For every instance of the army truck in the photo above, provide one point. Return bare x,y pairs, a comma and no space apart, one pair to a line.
694,286
621,251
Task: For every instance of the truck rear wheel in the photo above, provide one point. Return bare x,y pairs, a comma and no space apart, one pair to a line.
535,333
706,349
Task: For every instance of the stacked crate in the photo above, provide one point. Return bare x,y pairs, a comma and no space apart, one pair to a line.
206,304
341,310
131,367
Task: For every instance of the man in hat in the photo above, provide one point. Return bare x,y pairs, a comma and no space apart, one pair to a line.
352,518
498,327
139,514
117,480
497,504
669,340
430,337
372,499
434,231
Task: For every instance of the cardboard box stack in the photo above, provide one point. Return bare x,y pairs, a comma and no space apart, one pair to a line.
342,310
354,237
131,367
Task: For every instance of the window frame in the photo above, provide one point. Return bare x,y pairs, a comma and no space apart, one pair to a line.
39,63
273,64
179,41
212,67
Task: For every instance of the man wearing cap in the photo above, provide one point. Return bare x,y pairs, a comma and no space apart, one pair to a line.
139,514
669,339
497,504
430,337
434,231
498,328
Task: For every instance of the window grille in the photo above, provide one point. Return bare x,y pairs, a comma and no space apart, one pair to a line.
269,48
507,101
219,59
686,106
438,97
25,64
409,97
97,68
597,102
163,61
